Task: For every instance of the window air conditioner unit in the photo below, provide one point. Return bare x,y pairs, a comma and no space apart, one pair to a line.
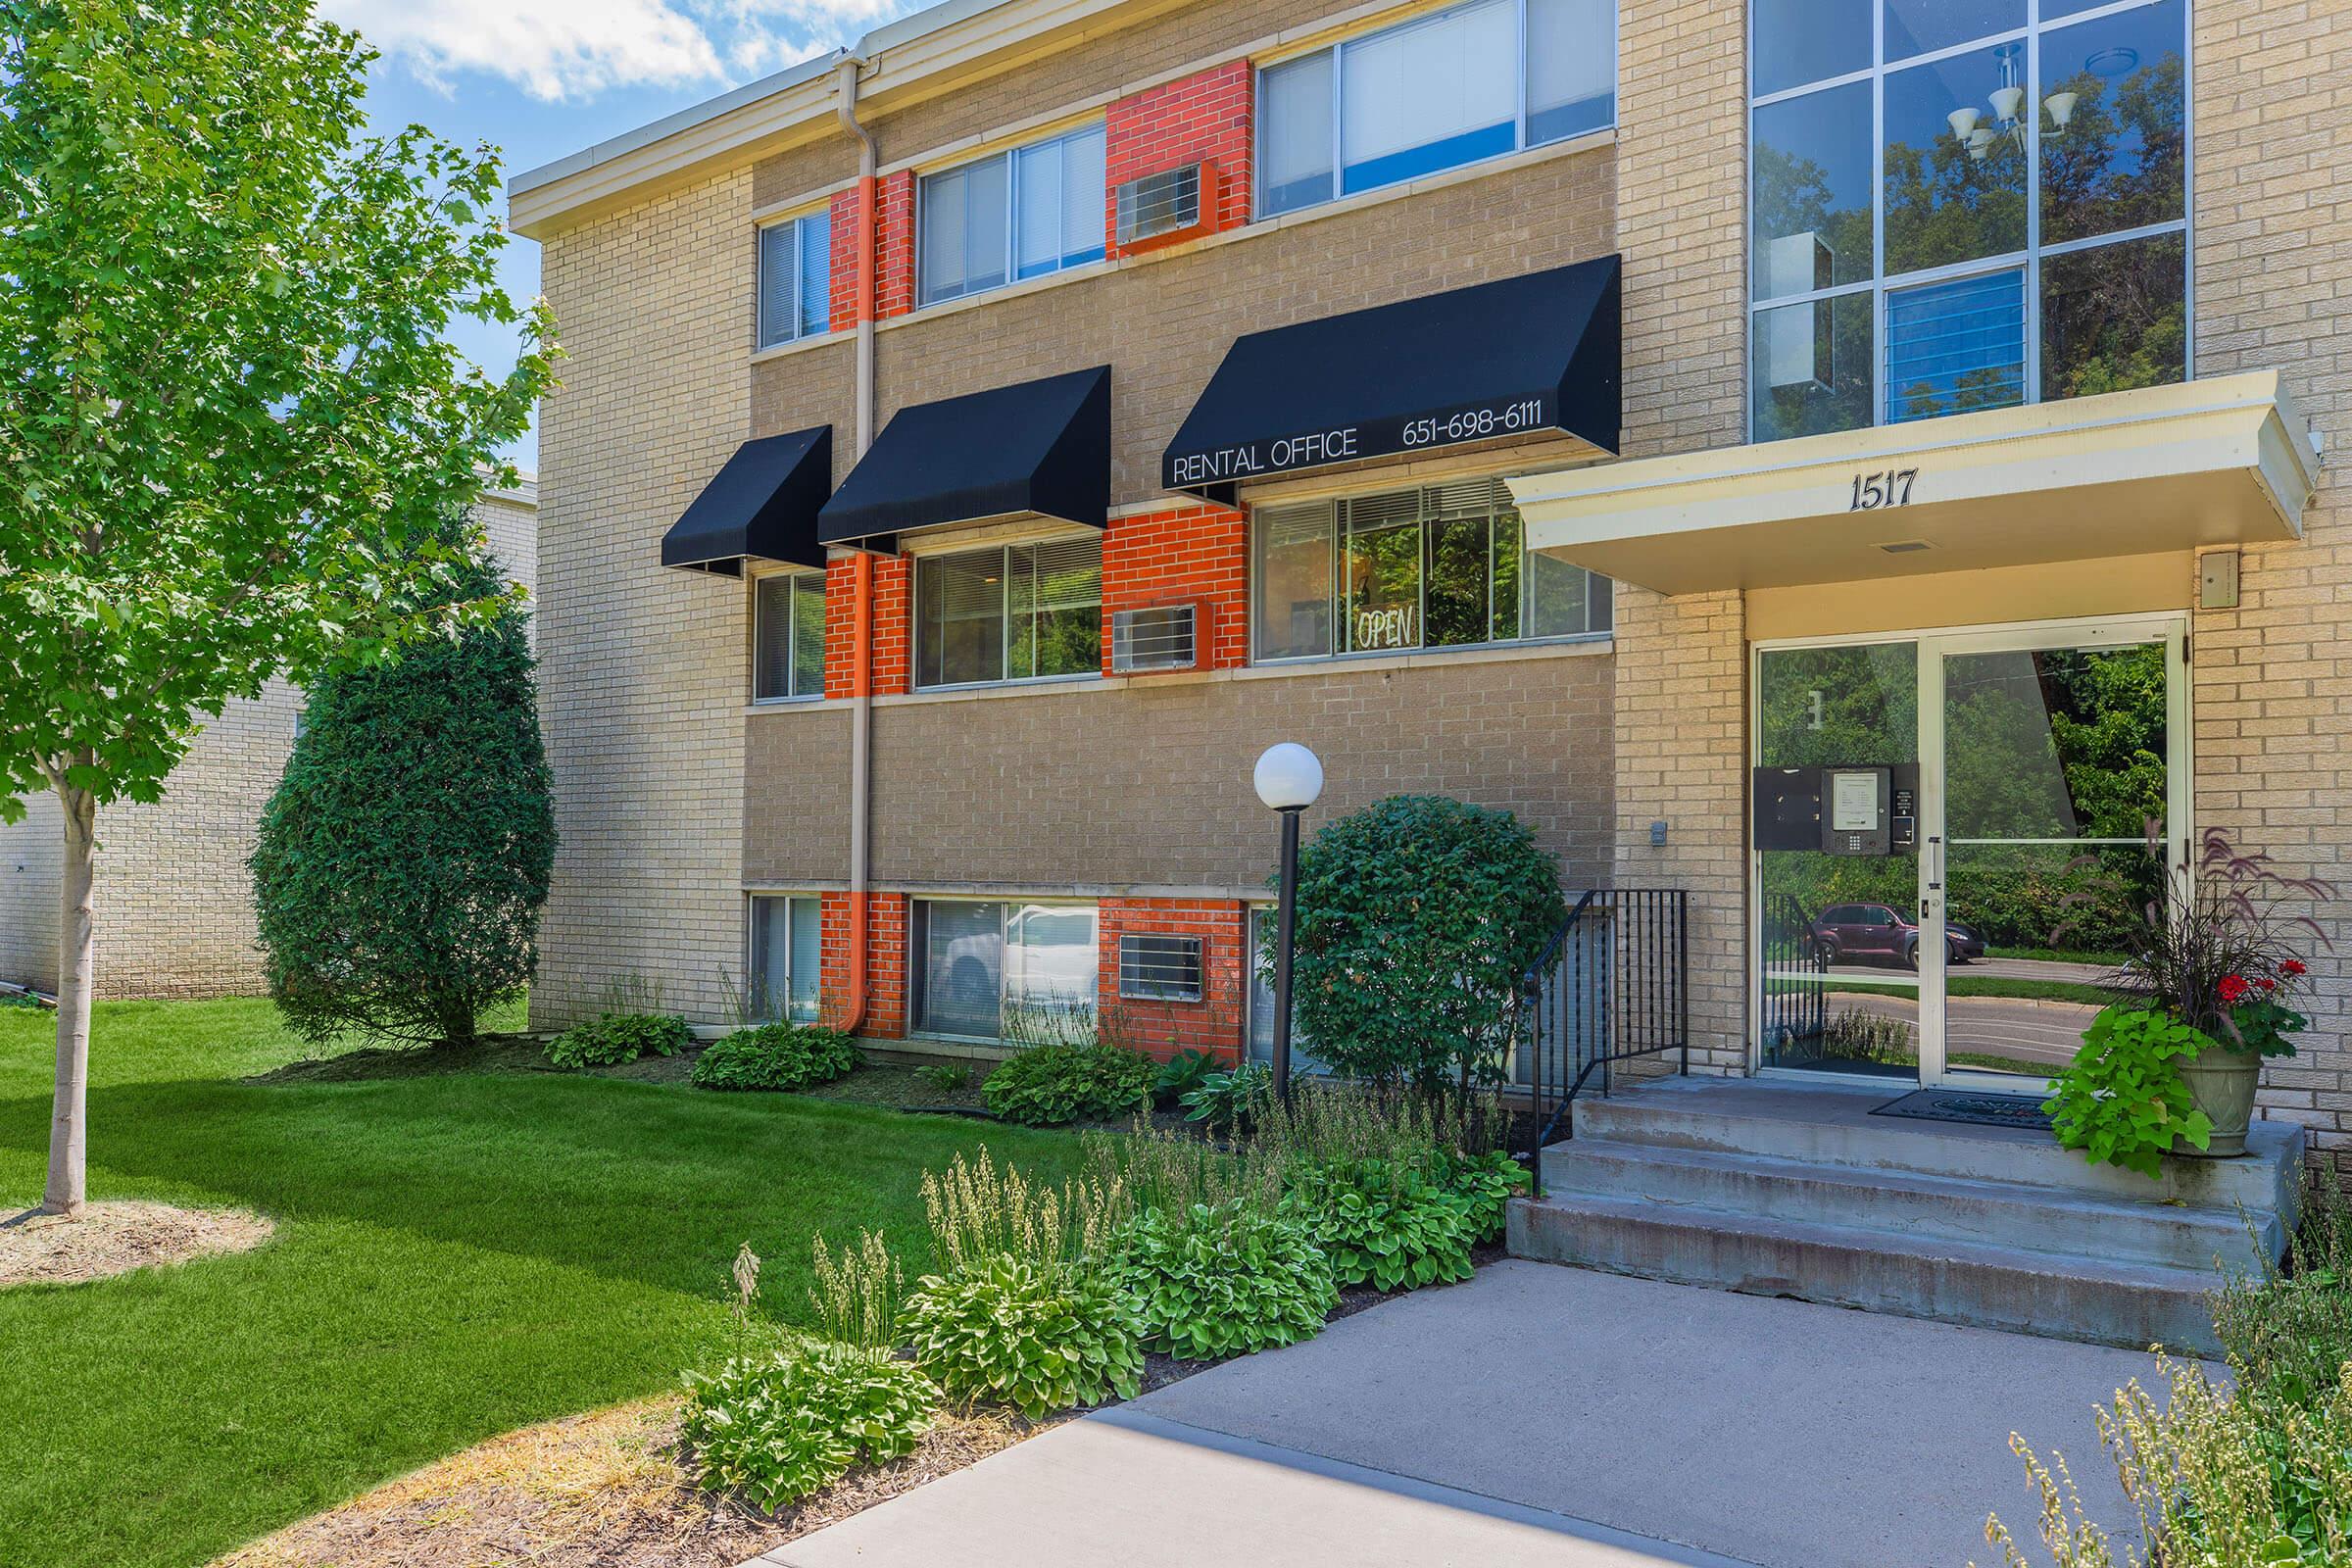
1175,204
1156,639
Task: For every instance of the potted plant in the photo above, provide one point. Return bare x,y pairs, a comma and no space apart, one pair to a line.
2204,999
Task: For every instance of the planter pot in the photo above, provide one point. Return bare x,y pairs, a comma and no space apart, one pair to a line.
2221,1084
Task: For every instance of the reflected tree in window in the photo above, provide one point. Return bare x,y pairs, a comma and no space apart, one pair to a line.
1946,204
2119,161
2114,318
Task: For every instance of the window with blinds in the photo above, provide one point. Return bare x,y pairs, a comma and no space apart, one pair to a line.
786,942
787,637
796,278
1029,611
1023,212
1438,566
1438,91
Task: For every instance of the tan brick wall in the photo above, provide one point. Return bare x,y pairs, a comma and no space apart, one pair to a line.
1146,784
644,672
32,856
1682,664
2273,678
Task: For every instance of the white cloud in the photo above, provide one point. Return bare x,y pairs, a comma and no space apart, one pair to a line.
555,49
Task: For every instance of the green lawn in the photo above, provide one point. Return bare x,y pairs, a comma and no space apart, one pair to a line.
455,1256
2090,996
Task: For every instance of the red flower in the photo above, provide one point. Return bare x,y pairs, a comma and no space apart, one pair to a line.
2234,989
2267,983
2290,967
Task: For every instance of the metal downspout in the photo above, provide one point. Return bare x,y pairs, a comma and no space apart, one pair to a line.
861,626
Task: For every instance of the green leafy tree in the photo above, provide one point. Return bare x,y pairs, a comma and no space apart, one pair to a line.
1418,917
402,863
231,423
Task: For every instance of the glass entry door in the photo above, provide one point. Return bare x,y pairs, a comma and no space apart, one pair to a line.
1959,925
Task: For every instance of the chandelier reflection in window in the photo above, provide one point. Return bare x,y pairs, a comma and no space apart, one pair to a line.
1973,130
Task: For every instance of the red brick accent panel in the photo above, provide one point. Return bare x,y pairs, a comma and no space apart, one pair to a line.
893,279
892,628
849,258
1193,551
1200,118
1217,1021
884,962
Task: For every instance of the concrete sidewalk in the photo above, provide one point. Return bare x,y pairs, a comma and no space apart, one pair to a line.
1543,1415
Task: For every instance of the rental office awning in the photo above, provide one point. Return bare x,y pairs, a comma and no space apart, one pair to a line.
762,504
1525,355
1034,449
2203,463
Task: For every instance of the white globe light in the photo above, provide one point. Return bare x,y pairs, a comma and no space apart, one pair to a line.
1288,776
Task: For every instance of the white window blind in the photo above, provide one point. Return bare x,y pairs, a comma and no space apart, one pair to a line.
787,941
1022,214
1571,67
794,283
1295,150
1430,83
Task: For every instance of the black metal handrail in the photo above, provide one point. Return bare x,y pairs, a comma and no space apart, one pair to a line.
1610,986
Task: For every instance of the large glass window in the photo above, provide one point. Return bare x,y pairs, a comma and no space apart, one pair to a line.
1019,213
1963,204
1009,612
787,637
996,970
787,939
796,278
1465,83
1440,567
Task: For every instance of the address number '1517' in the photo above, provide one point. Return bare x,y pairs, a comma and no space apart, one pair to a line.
1890,489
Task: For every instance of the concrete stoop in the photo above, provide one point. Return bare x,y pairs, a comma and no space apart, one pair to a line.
1783,1189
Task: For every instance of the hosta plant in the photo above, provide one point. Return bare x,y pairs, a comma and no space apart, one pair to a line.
776,1055
1486,1182
775,1429
1213,1282
621,1037
1384,1223
1229,1100
1058,1082
1032,1333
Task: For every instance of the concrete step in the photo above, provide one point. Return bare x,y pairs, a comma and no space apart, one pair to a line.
2063,1221
1984,1284
1832,1125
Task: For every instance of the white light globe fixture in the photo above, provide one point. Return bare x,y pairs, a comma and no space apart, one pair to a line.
1288,777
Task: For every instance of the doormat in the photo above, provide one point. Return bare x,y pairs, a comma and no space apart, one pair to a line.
1982,1110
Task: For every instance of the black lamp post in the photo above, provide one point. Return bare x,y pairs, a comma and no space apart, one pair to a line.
1288,777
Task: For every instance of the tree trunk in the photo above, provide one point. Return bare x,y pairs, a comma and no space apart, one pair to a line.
76,954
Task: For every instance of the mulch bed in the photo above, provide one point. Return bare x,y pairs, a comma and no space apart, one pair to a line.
116,1238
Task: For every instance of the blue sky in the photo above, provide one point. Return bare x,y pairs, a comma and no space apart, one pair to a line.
540,79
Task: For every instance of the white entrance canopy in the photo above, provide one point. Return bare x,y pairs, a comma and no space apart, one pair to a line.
2220,461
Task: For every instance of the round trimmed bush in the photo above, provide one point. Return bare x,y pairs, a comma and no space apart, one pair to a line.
775,1055
1050,1085
1417,915
1040,1337
1209,1282
778,1427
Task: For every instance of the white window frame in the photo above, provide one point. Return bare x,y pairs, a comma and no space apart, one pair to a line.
1339,92
2029,260
1008,905
798,224
758,983
1011,158
1424,649
791,633
915,637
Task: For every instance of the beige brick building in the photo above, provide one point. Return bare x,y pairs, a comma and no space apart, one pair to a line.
174,900
1937,450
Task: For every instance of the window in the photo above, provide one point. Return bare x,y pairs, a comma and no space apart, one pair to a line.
988,971
1009,612
1963,204
1440,567
1471,82
1262,928
786,939
787,637
796,278
1019,213
1160,969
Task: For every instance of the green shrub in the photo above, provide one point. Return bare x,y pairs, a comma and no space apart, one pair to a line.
1181,1074
946,1077
619,1037
1418,917
1213,1282
2288,1333
777,1428
1485,1183
1033,1334
776,1055
1228,1101
1049,1085
2123,1102
402,863
1385,1224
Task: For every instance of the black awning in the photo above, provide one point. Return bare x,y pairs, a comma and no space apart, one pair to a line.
1041,447
762,503
1534,354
